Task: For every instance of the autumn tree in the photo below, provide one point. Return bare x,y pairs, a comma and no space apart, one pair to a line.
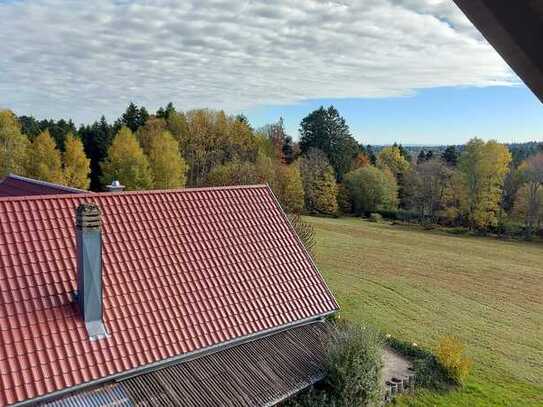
13,145
233,173
528,207
404,152
290,188
326,130
44,159
275,132
176,123
360,161
370,189
483,167
236,172
426,187
529,199
213,139
127,163
153,128
167,166
392,158
76,165
319,183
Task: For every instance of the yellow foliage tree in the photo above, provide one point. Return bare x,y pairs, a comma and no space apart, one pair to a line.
391,158
127,163
76,163
482,168
167,166
153,128
13,145
290,188
44,160
319,181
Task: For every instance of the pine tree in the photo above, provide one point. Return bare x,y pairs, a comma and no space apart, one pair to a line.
421,157
133,117
13,145
127,163
44,160
450,156
167,166
327,131
76,163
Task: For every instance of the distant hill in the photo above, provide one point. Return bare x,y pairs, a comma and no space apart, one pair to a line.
520,151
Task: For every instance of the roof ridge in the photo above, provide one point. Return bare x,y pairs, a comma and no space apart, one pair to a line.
86,194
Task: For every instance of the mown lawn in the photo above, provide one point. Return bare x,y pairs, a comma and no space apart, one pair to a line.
419,285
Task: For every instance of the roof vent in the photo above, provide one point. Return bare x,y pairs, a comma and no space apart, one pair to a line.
115,186
89,268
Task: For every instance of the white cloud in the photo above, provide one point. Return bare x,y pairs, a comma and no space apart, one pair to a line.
82,59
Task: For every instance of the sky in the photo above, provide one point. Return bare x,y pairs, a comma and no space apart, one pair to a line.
411,71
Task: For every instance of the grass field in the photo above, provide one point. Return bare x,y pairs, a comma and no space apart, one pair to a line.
419,285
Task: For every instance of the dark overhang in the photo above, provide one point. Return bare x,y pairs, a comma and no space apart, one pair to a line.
261,372
515,29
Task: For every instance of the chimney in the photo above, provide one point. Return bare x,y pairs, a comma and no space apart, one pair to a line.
89,268
115,186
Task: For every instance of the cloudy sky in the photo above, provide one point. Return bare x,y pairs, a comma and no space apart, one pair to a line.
380,61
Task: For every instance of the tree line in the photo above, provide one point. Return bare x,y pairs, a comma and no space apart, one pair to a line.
482,185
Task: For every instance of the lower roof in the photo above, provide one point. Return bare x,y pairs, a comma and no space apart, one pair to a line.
262,372
16,185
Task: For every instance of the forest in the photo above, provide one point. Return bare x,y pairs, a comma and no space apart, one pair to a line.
482,186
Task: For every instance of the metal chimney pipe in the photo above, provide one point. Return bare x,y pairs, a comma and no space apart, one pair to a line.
115,186
89,268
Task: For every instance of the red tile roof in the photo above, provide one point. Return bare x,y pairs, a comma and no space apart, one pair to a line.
183,270
15,185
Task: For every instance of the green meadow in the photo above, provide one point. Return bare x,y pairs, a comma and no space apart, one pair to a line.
420,285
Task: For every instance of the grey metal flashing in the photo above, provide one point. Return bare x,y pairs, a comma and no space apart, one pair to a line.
89,269
171,361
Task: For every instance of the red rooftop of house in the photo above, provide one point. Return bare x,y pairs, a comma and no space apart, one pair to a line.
183,271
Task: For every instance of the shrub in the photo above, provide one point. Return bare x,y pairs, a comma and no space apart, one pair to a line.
354,365
450,353
375,217
429,372
311,398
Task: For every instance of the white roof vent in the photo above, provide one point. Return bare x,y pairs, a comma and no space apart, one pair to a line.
115,186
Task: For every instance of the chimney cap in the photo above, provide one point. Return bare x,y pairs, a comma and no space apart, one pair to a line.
88,216
115,186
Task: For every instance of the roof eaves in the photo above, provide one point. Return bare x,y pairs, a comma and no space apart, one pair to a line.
170,361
